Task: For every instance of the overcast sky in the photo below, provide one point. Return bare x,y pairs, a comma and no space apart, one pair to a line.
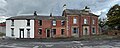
44,7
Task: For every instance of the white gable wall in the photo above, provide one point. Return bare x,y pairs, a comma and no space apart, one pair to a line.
19,24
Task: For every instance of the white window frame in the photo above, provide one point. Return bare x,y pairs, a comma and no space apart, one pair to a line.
74,20
54,23
85,21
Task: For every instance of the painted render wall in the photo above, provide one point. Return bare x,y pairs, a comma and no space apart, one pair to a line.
18,24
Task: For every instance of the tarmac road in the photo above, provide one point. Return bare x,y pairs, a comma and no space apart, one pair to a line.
28,43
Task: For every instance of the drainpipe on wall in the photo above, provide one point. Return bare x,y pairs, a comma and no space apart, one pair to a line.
51,25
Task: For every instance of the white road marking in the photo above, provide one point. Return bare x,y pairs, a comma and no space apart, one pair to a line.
48,45
35,46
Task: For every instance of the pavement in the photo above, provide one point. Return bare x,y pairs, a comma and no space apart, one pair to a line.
35,43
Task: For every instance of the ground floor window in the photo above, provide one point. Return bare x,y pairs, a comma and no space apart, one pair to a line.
75,30
93,30
28,33
62,31
39,31
54,31
12,31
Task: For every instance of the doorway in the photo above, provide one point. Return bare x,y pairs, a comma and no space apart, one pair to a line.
48,33
21,33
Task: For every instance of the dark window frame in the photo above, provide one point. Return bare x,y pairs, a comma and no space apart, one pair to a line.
12,31
40,31
40,22
75,30
28,32
28,22
62,31
93,30
12,24
54,31
63,22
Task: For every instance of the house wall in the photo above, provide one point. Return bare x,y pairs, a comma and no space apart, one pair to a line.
2,28
80,24
71,25
47,24
19,24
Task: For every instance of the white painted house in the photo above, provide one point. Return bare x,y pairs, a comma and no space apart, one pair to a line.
20,27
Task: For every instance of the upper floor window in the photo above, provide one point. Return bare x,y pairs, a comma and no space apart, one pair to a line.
54,23
62,22
12,22
54,31
74,21
28,22
12,31
85,21
39,31
40,22
93,21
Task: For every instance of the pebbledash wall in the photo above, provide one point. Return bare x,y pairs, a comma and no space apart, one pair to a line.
19,24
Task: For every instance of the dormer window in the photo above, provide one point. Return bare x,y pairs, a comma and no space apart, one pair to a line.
28,22
74,21
54,23
85,21
12,24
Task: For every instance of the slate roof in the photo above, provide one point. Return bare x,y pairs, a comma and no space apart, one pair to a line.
73,12
37,17
77,12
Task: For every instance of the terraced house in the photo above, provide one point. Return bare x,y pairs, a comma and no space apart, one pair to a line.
72,23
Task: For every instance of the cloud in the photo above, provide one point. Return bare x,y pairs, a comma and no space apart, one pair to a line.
19,7
3,3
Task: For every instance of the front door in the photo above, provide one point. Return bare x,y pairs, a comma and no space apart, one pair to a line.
21,33
48,33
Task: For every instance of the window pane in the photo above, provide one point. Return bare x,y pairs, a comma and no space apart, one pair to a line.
54,31
85,21
40,22
93,21
28,22
62,31
12,23
28,33
74,21
54,23
75,30
93,30
12,31
39,31
62,22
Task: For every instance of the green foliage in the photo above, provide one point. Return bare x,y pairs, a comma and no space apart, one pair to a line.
2,34
114,16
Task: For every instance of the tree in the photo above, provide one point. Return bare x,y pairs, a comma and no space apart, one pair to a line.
114,17
102,24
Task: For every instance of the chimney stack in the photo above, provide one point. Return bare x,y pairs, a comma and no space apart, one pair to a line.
87,9
50,14
64,7
35,14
